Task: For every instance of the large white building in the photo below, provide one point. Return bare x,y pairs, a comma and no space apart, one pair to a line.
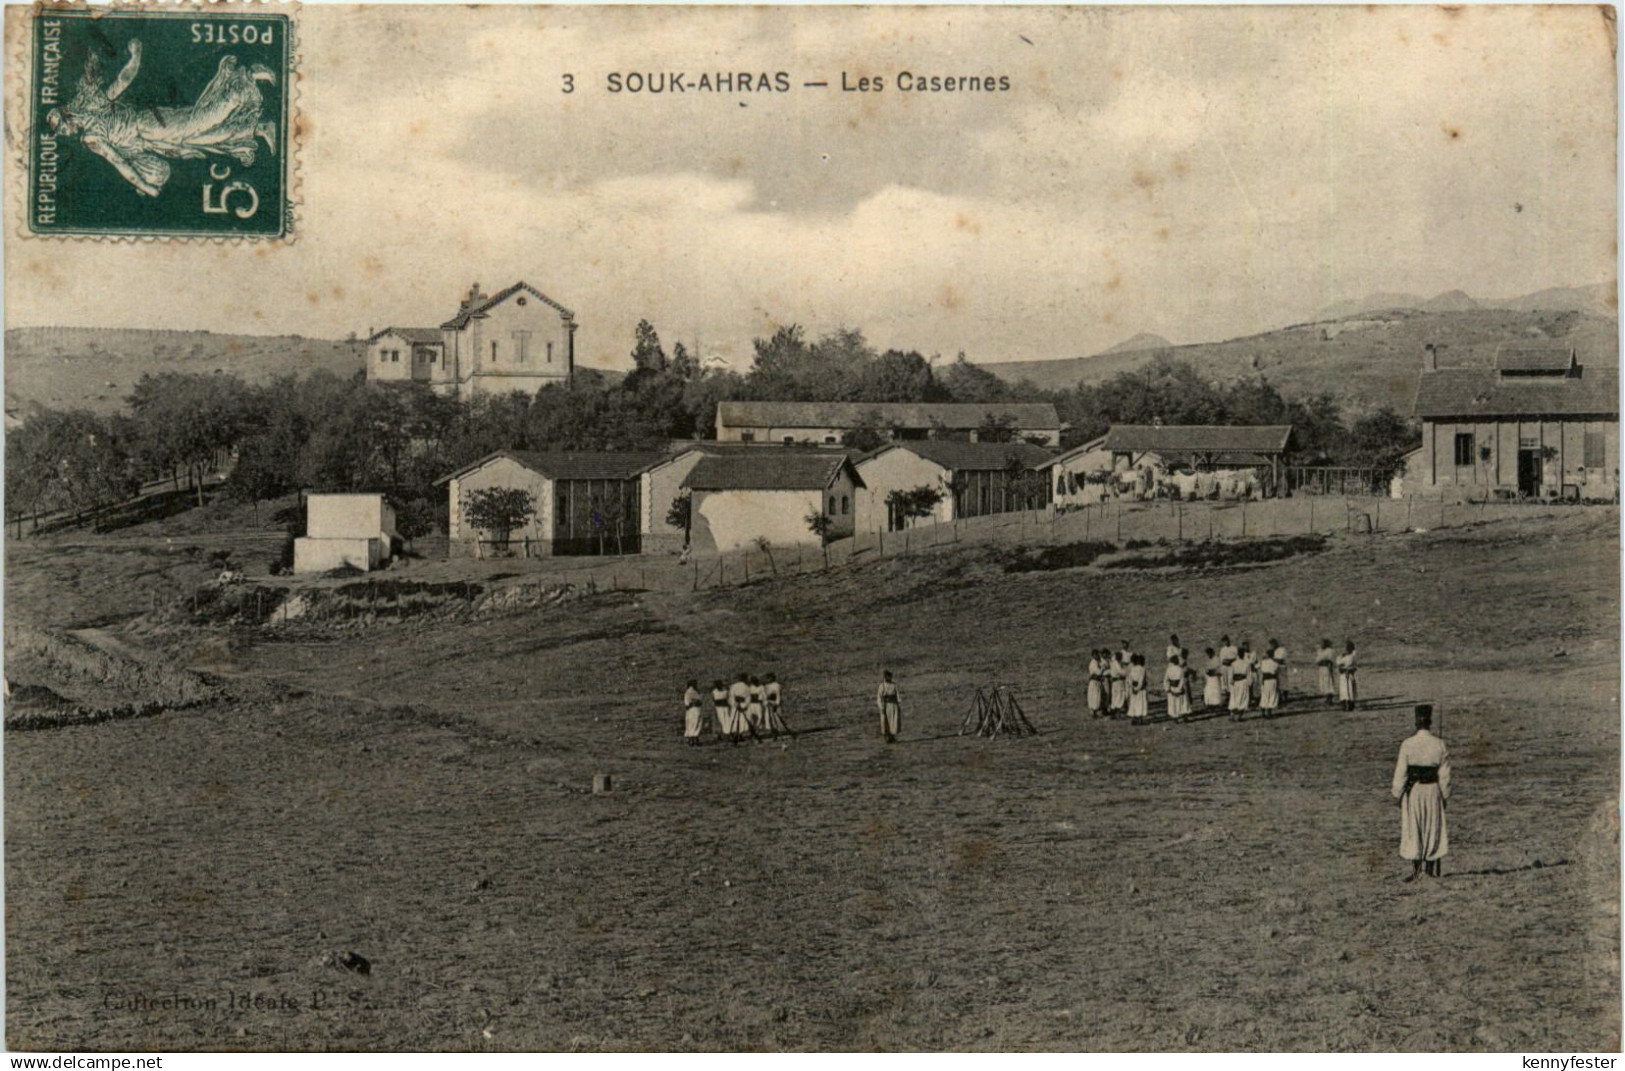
517,339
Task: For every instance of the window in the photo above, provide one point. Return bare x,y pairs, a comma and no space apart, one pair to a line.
846,505
789,438
1464,448
521,345
550,353
430,357
493,352
522,302
1596,450
383,356
394,356
747,436
832,505
829,439
1060,485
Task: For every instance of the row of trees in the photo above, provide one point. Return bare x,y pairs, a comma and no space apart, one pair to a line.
328,432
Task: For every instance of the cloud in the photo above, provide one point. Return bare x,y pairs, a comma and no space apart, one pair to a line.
1205,173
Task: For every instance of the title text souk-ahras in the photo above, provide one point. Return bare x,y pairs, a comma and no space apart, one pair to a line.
656,82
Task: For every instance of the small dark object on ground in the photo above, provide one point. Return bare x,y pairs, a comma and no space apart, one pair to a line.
1216,555
354,961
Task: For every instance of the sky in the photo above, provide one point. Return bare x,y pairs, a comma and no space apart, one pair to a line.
1200,173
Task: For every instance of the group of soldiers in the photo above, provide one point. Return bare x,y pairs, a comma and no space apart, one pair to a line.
750,707
1236,679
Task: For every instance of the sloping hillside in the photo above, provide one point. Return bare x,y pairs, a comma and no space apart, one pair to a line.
1364,361
95,368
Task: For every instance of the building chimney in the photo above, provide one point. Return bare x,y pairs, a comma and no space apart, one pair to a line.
1430,358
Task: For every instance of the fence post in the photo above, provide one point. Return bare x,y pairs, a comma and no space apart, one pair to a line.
1311,513
1244,518
1179,518
1119,522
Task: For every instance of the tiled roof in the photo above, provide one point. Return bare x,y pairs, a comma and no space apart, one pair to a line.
1523,357
1078,451
955,415
777,471
1198,438
417,335
966,457
568,464
1483,392
711,448
458,322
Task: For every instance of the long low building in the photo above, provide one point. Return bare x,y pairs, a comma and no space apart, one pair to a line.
585,503
973,479
1538,424
661,484
829,422
741,499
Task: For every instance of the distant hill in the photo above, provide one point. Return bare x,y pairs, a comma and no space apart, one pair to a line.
1598,299
94,368
1449,301
1364,361
1142,341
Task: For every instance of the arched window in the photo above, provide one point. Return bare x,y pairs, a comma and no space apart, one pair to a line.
832,505
845,505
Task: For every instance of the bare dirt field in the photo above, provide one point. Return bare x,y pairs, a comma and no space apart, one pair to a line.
418,794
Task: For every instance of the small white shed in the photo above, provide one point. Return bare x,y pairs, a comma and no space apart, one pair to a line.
356,530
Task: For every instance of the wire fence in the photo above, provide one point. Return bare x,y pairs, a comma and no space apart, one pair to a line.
1120,522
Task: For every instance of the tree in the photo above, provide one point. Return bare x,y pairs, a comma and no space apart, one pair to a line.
821,525
498,510
261,472
648,358
416,517
916,503
871,432
681,514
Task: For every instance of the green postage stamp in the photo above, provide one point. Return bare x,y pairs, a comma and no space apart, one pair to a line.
160,123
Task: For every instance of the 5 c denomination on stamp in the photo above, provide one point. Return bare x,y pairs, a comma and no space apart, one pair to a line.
160,123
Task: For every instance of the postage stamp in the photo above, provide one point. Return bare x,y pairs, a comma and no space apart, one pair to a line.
160,123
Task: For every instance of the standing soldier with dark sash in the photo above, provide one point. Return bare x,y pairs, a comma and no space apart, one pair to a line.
890,704
1277,651
1227,657
1347,689
1096,678
1117,675
1422,785
1325,660
720,708
1269,687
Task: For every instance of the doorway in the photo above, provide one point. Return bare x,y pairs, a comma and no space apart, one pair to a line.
1529,473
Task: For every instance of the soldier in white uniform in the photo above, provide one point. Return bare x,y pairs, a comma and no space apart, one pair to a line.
1228,654
1138,698
693,720
1179,700
1269,687
890,704
1348,689
1097,675
1325,671
722,709
1422,785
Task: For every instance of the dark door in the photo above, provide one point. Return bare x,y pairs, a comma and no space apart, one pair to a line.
1529,467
